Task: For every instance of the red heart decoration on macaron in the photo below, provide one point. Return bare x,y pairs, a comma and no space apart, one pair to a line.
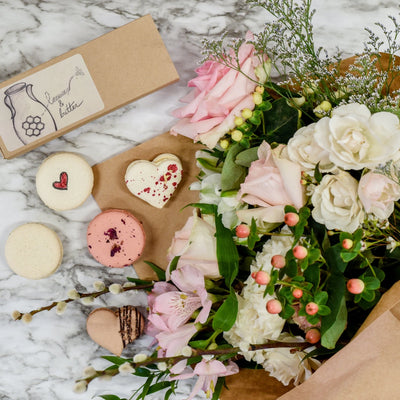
62,184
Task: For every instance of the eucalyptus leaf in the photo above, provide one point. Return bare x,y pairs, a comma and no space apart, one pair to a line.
232,174
246,157
206,164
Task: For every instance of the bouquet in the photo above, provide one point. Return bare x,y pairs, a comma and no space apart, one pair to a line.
294,238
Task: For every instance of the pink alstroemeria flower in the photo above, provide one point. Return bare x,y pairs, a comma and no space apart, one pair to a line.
208,372
172,306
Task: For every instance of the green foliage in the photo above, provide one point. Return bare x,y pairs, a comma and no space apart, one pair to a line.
159,271
232,174
226,315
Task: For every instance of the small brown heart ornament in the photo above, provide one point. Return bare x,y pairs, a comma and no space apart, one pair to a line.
114,329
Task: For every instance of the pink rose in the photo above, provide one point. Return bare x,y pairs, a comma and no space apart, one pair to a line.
196,245
272,183
378,193
219,95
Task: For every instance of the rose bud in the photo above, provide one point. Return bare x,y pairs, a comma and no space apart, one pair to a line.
300,252
347,244
311,308
274,306
242,231
297,293
262,278
278,261
355,286
291,219
313,336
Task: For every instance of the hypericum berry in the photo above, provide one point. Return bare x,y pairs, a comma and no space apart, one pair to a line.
274,306
253,274
311,308
224,143
238,121
247,113
291,219
236,135
347,244
262,278
242,231
278,261
355,286
300,252
297,293
257,98
313,335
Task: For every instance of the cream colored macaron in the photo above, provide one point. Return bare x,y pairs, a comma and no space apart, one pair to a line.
33,251
64,181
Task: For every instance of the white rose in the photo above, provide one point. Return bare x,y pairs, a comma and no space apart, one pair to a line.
303,149
355,139
336,203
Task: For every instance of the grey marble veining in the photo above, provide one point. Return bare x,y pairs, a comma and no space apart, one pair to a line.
42,360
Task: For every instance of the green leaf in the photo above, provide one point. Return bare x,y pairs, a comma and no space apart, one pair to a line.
204,207
139,281
226,315
218,388
199,344
371,283
287,312
206,164
159,272
321,298
110,397
232,174
174,264
368,295
143,372
246,157
158,386
333,258
116,360
324,310
317,174
253,237
280,121
348,255
312,275
227,253
333,325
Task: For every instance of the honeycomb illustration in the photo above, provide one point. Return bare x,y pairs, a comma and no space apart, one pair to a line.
33,126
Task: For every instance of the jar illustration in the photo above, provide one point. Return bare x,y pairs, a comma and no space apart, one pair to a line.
31,119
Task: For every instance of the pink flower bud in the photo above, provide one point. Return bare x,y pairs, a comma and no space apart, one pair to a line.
278,261
262,278
274,306
300,252
291,219
297,293
312,308
347,244
355,286
242,231
313,335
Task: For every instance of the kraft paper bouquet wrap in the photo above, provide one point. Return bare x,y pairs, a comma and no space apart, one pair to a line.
284,271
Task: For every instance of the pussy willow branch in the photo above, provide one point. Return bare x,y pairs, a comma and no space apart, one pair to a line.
82,296
295,346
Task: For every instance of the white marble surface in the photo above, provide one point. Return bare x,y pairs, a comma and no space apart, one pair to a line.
42,360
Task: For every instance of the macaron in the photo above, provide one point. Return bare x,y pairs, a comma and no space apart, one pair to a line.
115,329
64,181
33,251
154,181
115,238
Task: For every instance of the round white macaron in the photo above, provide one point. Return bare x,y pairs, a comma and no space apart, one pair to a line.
33,251
64,181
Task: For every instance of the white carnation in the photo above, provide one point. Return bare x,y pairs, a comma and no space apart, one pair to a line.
252,303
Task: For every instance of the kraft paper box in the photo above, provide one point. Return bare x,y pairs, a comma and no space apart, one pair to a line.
81,85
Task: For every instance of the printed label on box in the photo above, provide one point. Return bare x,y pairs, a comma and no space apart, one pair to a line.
46,101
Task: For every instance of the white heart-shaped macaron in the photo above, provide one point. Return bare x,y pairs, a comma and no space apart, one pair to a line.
154,181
